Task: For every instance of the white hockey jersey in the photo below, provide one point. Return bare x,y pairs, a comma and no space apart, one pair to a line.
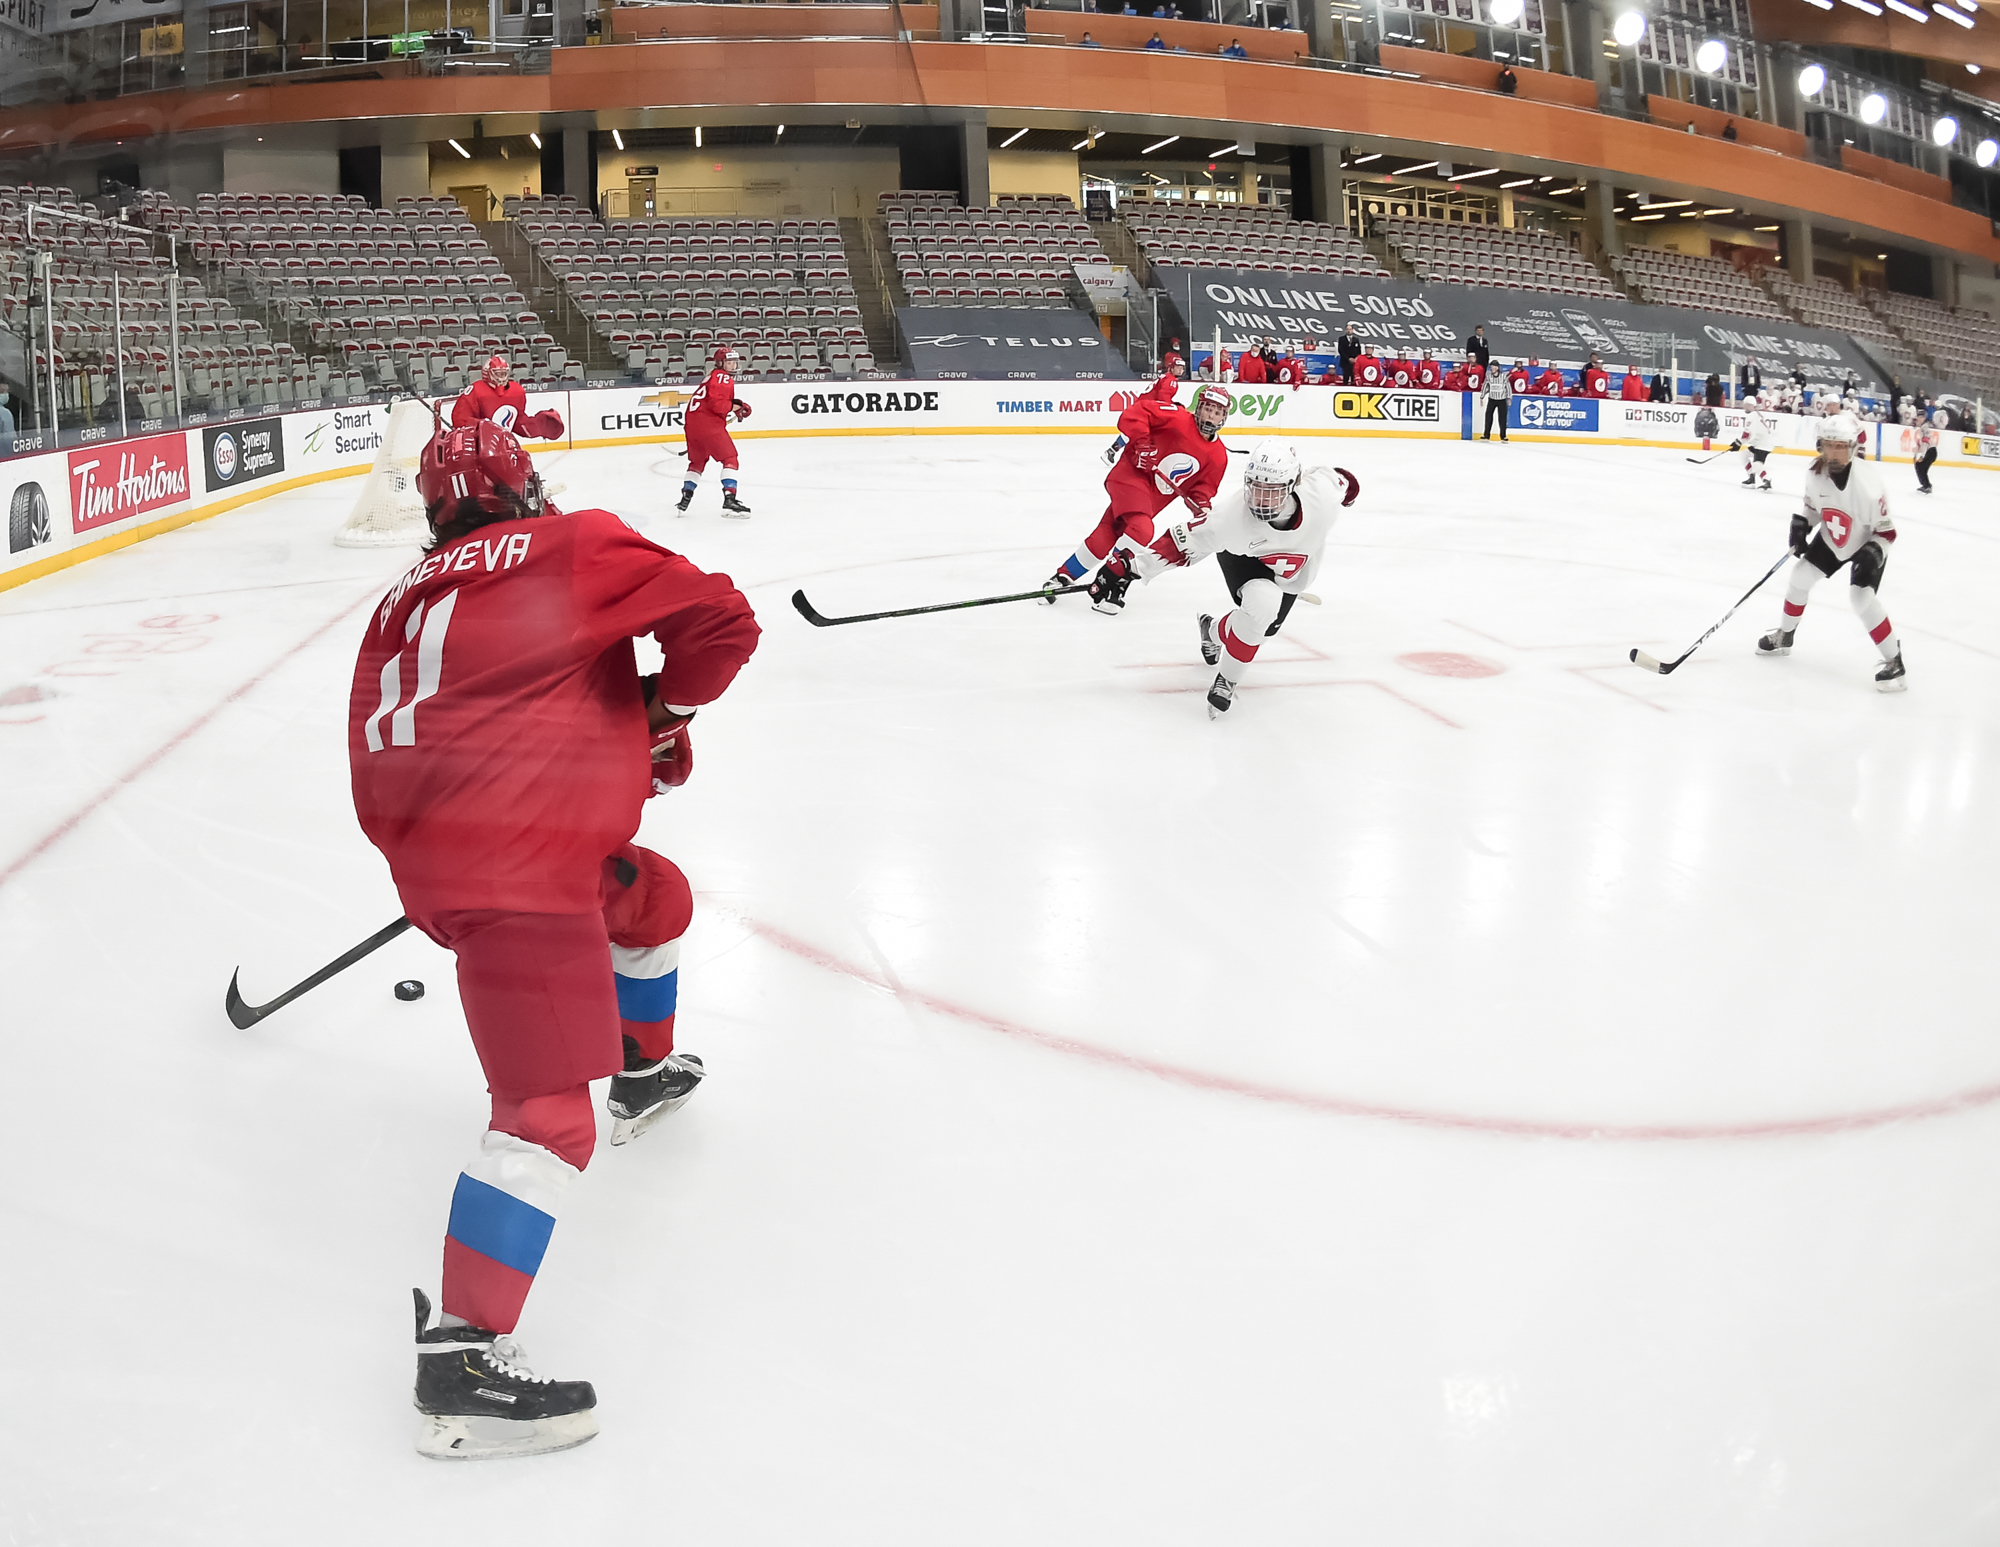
1761,431
1848,517
1293,557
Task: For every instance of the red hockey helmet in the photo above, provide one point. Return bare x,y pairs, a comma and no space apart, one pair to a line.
497,371
1210,408
727,359
484,464
1172,364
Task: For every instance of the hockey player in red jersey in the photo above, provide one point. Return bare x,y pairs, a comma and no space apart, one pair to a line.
1171,453
496,397
708,418
1173,371
1428,374
498,740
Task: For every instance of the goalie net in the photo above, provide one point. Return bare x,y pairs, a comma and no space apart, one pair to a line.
389,512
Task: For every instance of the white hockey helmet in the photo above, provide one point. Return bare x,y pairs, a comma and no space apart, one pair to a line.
1840,426
1269,476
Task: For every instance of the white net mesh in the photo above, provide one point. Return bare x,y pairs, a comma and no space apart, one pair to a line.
389,512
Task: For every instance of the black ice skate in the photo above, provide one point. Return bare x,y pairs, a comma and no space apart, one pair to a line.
687,499
1891,679
479,1403
649,1089
1777,642
1749,480
1221,694
732,506
1211,647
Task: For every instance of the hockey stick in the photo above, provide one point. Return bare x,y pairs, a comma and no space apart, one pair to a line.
1704,461
244,1016
1650,663
819,620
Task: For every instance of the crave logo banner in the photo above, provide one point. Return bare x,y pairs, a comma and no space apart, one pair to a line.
129,478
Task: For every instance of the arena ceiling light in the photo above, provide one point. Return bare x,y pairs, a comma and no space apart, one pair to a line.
1172,139
1944,131
1908,10
1730,211
1463,177
460,149
1362,161
1668,204
1628,29
1873,106
1649,217
535,139
617,139
1767,228
1224,151
1406,171
1079,145
1812,79
1950,15
1522,183
697,137
1714,54
781,132
1505,13
1012,138
1865,5
1988,150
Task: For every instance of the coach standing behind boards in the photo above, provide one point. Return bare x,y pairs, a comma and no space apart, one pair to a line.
1477,350
1349,349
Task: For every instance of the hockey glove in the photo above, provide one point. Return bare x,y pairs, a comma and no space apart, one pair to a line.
1353,487
1737,444
1146,456
1868,566
546,425
1801,527
740,409
1107,591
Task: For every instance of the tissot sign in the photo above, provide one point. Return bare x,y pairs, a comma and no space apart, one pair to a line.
1007,342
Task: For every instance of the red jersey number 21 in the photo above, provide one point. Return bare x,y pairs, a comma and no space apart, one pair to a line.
426,625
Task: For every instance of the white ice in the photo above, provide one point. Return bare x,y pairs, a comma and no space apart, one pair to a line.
1559,1106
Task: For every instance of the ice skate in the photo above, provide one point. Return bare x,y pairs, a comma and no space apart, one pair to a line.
732,506
1891,678
1749,480
1211,647
687,499
648,1090
1777,642
480,1403
1766,484
1055,583
1221,694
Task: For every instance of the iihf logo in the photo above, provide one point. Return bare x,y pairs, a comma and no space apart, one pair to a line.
225,457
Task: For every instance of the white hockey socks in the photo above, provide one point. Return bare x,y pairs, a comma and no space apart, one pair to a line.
1875,618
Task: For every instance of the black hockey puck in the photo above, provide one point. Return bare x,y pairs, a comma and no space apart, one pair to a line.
409,988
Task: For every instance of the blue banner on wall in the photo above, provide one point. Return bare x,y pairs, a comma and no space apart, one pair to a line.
1553,413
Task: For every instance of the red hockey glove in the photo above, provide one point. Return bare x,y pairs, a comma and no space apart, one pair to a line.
1145,456
546,425
673,755
1353,486
1107,591
740,409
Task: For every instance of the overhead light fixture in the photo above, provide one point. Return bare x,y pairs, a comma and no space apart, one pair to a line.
617,139
1873,106
1628,29
1521,183
1812,79
781,131
1505,13
1714,54
1488,172
1767,228
1690,214
1950,15
1988,150
1944,131
1649,217
1081,143
1730,211
1160,144
1908,10
535,139
1972,69
1882,256
460,149
1667,204
1824,5
697,136
1406,171
1223,150
1012,138
1362,161
1865,5
1545,179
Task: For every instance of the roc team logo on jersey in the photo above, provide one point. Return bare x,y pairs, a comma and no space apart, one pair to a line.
1173,471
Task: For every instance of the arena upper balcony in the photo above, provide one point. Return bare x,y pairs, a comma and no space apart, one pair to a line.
1867,158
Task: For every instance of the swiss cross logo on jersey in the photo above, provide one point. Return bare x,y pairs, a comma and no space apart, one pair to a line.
1173,471
1283,566
1839,526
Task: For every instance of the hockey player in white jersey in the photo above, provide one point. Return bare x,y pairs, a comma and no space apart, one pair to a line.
1268,537
1845,502
1760,434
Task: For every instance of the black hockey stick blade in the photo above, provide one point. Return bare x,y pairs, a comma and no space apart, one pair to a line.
1704,461
819,620
1647,662
243,1016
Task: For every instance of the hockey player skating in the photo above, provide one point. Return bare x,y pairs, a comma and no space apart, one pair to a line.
501,400
498,739
1173,371
1170,453
1926,437
1760,434
1845,502
714,405
1267,537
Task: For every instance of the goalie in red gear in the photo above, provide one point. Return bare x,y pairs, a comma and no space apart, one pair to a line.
708,418
1170,453
503,401
498,743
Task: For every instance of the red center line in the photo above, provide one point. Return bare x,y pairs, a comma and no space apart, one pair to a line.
78,817
1343,1106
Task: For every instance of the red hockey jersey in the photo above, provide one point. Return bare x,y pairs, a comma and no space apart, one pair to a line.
496,738
505,406
715,396
1165,459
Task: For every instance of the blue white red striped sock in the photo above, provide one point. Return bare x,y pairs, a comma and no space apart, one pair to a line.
648,982
502,1215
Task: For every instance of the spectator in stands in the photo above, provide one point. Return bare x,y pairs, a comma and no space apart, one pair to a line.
1691,128
1634,390
1233,49
1087,41
1499,388
1349,350
1507,84
1428,374
1163,11
1660,392
1250,367
1711,391
1729,130
1157,42
1477,351
1130,9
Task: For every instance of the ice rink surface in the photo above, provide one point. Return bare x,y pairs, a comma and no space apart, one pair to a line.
1477,1093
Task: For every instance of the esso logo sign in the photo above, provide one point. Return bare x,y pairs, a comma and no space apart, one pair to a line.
225,458
1174,471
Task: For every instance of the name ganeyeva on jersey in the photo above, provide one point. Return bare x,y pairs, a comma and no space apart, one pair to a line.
502,552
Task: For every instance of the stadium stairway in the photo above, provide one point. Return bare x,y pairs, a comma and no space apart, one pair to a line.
867,255
566,325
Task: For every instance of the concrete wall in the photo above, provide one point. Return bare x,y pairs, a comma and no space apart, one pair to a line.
1979,291
762,180
520,171
406,173
256,166
1019,171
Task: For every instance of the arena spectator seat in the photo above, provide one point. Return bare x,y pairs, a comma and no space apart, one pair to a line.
1244,236
1665,278
1963,347
1019,252
1823,303
664,294
1441,253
